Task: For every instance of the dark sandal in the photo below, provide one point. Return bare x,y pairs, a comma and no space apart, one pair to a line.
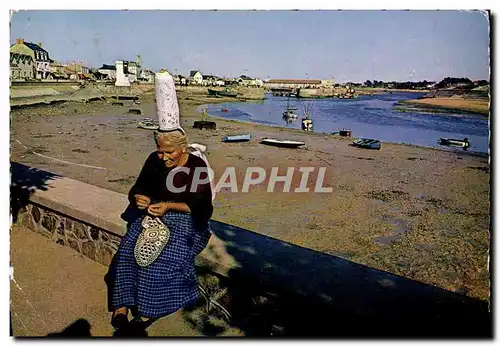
143,323
119,320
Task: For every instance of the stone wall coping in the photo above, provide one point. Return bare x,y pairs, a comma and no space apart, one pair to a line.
91,204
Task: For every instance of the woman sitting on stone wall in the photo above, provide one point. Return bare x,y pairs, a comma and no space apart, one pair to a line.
153,272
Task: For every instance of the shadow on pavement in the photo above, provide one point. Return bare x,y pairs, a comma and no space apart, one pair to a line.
79,328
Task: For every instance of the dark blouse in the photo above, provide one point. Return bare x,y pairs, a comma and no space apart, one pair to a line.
152,182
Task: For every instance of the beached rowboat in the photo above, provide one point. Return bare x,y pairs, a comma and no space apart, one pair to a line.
464,143
149,125
282,143
237,138
367,143
226,92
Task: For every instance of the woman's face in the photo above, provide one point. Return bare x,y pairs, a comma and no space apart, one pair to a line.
170,154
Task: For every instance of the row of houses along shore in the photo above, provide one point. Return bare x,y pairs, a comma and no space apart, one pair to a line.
31,62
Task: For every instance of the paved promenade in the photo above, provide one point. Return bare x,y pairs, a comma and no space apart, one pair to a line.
53,286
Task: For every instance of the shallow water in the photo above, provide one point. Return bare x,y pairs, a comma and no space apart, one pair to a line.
401,226
369,116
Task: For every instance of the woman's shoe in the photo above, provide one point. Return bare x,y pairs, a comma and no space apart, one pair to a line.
119,319
142,321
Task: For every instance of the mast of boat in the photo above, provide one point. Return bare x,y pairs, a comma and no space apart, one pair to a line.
288,102
307,108
307,123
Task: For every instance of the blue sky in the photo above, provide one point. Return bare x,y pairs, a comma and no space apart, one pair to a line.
344,45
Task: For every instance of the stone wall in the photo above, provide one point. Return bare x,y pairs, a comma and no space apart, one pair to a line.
251,93
95,243
316,93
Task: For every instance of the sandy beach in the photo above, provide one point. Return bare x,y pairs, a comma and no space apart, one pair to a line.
453,103
417,212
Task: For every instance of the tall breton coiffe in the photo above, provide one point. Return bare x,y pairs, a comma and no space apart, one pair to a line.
167,107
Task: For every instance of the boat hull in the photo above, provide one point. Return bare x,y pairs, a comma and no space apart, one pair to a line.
307,124
454,142
282,143
367,143
236,138
290,114
227,93
149,125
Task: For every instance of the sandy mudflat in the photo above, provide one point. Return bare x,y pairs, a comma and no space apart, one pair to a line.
454,103
417,212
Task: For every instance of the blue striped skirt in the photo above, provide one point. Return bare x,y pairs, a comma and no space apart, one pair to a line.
169,283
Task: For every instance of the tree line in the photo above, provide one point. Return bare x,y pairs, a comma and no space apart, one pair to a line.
465,83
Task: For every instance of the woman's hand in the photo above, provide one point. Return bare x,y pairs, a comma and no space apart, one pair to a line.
142,201
158,209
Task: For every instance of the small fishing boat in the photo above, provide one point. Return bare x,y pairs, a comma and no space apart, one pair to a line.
307,124
226,92
464,143
343,132
213,92
224,110
367,143
288,120
237,138
149,125
134,111
290,113
282,143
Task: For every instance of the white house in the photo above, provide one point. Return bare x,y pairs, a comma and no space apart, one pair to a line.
109,71
147,76
22,67
211,80
245,80
196,77
248,81
40,56
258,83
132,71
327,83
